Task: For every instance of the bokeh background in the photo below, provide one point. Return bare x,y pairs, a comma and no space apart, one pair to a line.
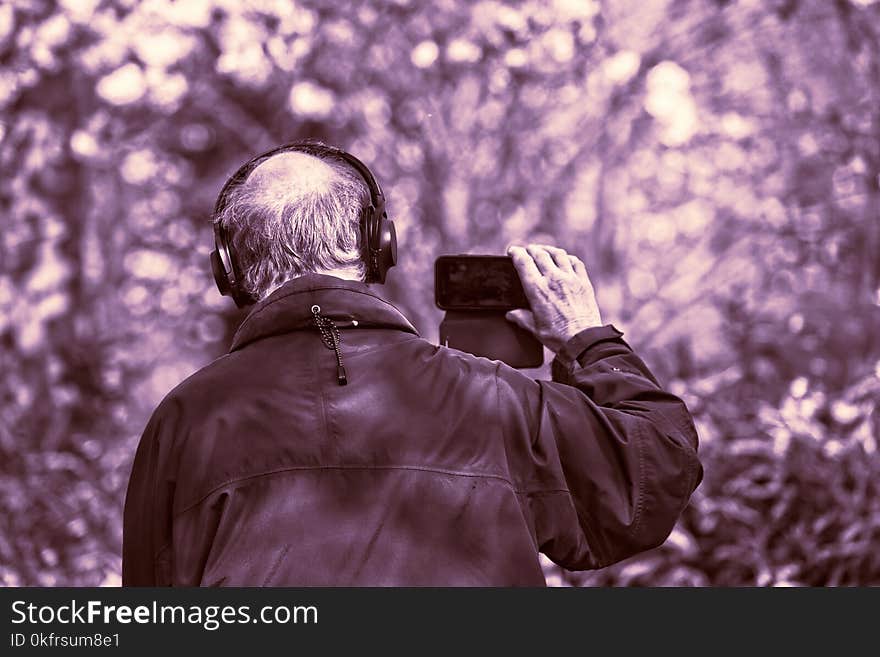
714,162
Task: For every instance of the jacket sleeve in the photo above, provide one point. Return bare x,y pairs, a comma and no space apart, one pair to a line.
611,459
146,526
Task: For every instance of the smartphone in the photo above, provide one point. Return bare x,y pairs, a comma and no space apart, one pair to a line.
477,282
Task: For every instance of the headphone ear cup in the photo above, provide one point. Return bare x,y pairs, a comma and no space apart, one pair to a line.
220,277
367,243
389,243
387,252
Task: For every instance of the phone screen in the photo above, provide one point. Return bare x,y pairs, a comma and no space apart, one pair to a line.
477,282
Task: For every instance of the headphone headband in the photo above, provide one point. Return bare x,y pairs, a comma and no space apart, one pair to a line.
377,231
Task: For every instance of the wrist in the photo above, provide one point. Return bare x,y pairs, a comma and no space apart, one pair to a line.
572,349
577,326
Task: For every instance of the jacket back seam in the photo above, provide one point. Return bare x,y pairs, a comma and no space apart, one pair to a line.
412,468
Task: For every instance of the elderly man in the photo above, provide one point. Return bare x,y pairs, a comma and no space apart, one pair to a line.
334,446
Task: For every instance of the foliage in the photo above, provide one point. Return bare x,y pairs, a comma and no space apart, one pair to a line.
795,504
716,163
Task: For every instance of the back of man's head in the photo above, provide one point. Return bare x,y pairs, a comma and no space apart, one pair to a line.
294,214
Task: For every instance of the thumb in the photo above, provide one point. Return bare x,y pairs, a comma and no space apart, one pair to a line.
522,318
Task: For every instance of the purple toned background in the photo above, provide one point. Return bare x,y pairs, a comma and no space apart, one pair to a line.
715,163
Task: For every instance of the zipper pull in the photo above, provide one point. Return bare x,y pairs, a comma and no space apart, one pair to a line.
331,339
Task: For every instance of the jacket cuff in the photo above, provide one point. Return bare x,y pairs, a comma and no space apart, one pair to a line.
577,345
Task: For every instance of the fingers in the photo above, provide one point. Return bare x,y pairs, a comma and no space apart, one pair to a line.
549,258
522,318
561,258
537,262
525,265
542,258
579,268
531,278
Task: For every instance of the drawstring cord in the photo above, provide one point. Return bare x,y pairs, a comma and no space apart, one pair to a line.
331,339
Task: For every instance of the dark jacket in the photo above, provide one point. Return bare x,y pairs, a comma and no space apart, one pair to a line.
431,467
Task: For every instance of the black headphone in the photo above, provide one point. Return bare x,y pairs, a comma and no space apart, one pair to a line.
378,236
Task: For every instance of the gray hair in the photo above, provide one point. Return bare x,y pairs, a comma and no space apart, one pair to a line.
279,234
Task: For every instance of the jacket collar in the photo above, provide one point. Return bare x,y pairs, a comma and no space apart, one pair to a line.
289,308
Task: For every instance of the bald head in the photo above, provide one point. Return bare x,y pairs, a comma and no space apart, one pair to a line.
291,175
296,213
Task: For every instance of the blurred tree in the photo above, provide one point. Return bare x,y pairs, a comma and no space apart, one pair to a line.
716,164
